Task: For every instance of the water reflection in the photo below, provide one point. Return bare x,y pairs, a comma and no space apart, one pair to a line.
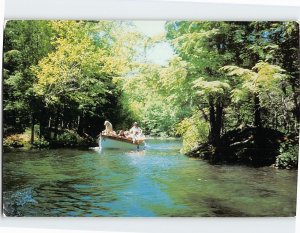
158,181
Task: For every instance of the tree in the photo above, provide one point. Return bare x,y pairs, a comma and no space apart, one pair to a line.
158,96
215,94
78,75
204,46
25,43
263,78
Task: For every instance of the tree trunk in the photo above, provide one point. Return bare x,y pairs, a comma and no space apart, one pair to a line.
41,128
275,120
257,118
211,119
80,125
215,120
56,124
218,123
32,128
296,111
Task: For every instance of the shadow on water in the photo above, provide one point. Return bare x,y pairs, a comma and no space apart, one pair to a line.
158,181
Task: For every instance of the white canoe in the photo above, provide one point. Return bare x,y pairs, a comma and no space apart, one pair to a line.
116,142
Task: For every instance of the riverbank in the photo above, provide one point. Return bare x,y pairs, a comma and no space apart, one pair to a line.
252,146
249,146
63,139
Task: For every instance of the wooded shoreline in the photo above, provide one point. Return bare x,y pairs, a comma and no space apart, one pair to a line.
227,89
239,147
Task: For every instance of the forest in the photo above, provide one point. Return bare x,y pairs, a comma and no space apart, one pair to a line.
231,90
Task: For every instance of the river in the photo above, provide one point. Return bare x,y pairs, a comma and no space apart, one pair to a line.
156,182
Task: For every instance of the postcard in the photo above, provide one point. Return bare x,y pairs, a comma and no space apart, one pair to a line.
150,118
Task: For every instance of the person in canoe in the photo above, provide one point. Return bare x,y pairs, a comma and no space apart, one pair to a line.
108,129
135,129
123,133
136,132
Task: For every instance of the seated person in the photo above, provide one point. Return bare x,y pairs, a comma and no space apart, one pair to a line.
121,133
135,129
136,133
124,133
108,129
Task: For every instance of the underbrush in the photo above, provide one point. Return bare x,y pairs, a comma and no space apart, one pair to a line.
65,138
193,131
288,157
14,141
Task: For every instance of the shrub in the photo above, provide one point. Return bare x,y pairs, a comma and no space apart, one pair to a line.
288,157
193,131
68,139
14,141
41,143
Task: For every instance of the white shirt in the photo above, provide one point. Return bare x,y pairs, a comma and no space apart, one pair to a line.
135,130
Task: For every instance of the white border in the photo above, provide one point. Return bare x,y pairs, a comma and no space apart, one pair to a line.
150,9
1,50
246,2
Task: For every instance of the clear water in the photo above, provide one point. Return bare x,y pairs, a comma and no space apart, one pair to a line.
156,182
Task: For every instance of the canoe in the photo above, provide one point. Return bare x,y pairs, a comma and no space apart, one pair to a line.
118,142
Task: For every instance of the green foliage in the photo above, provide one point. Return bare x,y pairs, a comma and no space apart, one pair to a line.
201,44
13,141
60,74
211,88
68,139
265,81
40,143
267,77
193,131
25,43
73,72
288,157
158,97
260,87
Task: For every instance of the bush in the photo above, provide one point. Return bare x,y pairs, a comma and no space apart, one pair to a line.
14,141
193,131
41,143
288,157
67,139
